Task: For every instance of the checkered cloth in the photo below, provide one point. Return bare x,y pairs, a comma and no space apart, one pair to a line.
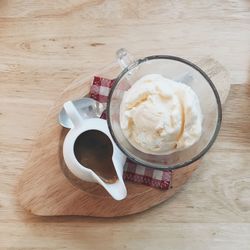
132,172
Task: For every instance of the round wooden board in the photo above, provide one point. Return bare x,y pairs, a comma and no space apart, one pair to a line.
46,188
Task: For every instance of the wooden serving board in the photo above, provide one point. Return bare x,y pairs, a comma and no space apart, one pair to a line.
47,188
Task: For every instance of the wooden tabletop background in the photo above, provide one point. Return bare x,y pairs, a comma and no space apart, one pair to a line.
44,45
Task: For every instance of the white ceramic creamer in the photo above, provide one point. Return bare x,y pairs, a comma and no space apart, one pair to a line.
117,189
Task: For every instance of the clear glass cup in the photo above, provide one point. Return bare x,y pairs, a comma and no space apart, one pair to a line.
173,68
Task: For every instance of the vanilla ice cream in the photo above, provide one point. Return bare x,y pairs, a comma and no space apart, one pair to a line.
160,116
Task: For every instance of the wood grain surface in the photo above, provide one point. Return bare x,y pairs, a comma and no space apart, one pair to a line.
46,44
44,190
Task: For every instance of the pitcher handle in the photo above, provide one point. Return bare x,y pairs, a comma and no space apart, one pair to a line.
72,113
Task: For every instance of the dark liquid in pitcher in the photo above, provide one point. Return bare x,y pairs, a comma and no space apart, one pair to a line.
94,150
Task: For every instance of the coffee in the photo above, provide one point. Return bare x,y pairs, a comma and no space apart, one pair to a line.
93,149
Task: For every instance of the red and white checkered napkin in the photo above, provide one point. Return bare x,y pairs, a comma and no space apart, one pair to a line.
132,172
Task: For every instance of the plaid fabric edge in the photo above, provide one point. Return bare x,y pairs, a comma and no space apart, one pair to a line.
149,181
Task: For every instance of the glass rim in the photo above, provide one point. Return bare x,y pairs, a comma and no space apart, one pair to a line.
197,156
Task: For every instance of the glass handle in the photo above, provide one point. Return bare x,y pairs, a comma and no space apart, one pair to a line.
124,58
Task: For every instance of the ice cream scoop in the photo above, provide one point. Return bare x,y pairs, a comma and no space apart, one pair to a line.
160,116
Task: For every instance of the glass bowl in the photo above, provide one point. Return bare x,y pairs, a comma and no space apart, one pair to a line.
174,68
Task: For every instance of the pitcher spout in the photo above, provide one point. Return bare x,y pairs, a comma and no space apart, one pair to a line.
117,190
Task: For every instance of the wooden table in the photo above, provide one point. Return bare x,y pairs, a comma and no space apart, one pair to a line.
46,44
